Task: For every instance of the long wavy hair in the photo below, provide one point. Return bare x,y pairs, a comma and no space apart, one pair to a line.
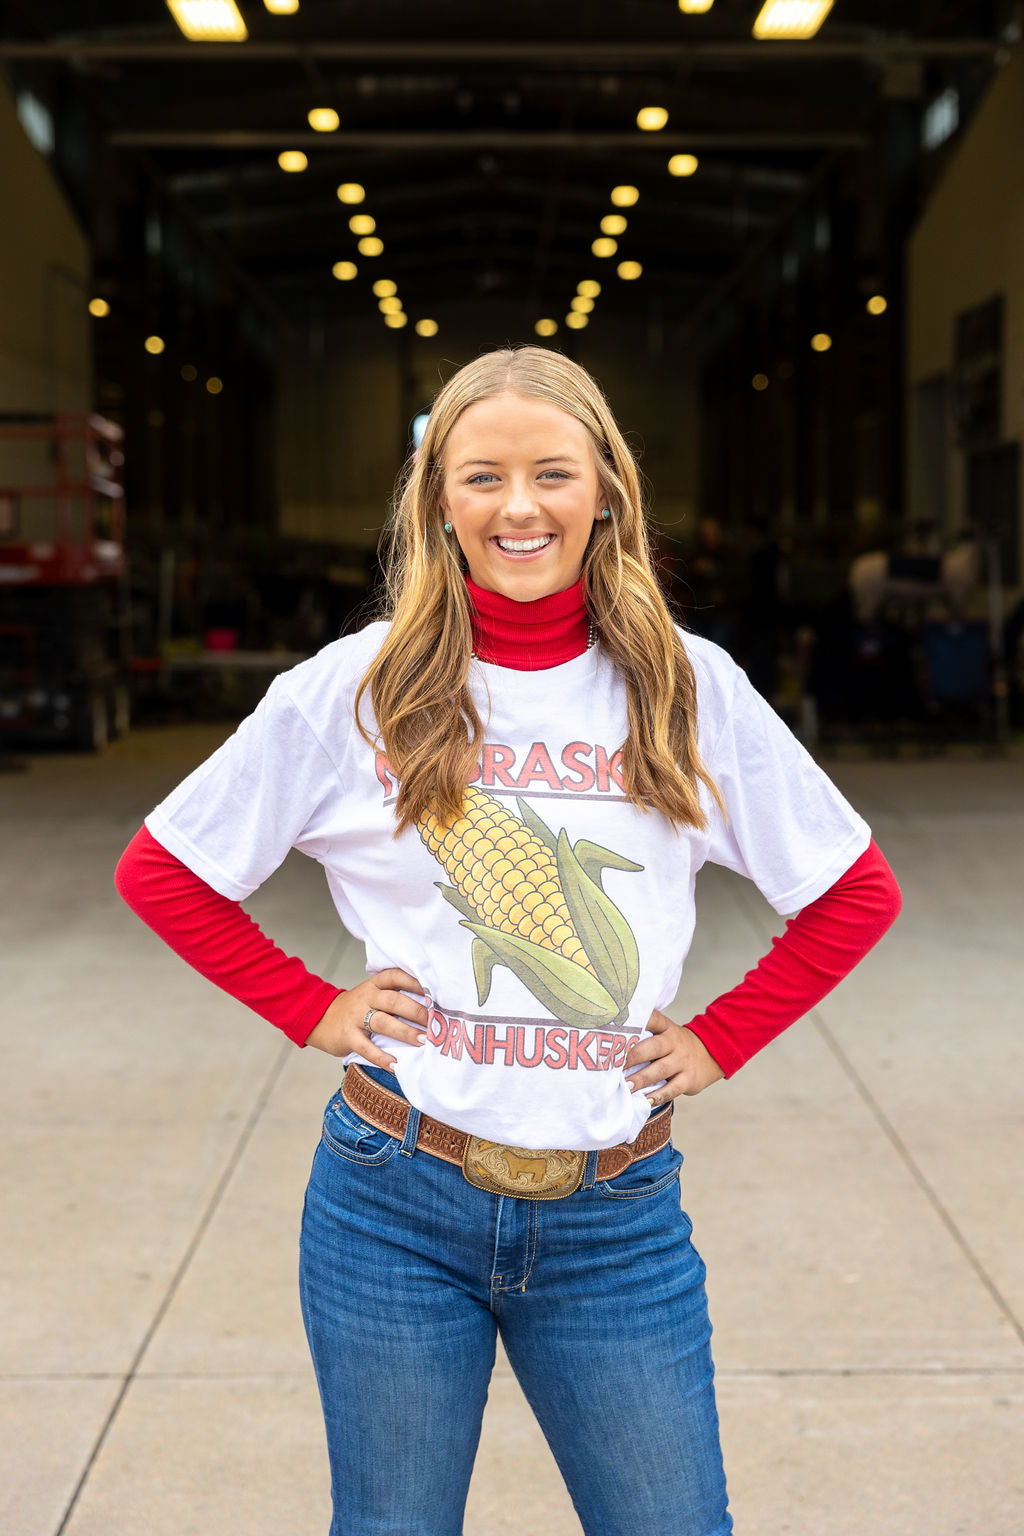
427,723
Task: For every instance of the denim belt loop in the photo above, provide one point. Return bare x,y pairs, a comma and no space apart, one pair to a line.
589,1178
412,1130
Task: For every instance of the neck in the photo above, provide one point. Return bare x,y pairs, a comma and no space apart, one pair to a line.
528,636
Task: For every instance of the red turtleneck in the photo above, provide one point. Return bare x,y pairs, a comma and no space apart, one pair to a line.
818,948
528,636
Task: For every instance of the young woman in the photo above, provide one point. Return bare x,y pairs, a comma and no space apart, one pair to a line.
511,782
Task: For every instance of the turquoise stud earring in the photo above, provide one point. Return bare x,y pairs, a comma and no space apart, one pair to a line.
605,512
447,527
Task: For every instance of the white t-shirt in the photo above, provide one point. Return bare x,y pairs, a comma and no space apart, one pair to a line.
534,1004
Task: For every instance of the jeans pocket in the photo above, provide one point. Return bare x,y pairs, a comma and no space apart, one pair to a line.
346,1135
649,1176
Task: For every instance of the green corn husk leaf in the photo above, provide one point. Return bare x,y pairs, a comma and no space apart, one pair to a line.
564,988
604,933
484,961
535,825
592,859
459,902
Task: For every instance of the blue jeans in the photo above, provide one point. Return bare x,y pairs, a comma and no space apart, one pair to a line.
407,1274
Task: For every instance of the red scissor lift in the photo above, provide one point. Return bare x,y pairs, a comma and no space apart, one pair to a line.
64,630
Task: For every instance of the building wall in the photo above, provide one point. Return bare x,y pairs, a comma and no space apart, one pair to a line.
45,341
347,398
968,246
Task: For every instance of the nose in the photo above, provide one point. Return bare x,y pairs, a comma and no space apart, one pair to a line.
520,500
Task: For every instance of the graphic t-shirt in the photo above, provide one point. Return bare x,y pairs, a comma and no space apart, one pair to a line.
551,919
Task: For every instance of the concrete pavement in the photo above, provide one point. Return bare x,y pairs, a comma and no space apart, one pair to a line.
855,1192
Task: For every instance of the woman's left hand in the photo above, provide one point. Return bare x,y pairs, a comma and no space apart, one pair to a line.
676,1054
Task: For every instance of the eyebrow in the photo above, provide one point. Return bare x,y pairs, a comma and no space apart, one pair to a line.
556,458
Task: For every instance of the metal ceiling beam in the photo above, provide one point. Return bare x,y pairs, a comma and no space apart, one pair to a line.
608,55
472,140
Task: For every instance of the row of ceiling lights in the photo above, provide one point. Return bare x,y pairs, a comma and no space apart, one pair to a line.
220,21
326,120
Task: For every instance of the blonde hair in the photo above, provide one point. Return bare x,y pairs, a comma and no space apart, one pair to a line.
428,725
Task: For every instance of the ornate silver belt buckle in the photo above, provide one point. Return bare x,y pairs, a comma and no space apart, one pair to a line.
547,1174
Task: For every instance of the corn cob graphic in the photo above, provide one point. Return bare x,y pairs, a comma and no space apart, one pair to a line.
535,904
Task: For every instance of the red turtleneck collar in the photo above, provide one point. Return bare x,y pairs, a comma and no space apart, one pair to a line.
528,636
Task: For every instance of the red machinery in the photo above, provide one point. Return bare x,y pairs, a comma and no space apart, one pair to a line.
63,601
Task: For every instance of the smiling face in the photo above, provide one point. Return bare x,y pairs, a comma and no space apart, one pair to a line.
522,493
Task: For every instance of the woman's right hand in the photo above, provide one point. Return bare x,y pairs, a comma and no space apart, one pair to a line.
341,1029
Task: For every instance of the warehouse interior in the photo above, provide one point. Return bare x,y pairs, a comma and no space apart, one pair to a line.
806,320
235,269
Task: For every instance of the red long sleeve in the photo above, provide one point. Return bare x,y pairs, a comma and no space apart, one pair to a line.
820,946
219,939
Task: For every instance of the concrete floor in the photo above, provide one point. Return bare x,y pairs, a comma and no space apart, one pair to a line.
856,1192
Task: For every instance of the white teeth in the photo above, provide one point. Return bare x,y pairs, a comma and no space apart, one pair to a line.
523,546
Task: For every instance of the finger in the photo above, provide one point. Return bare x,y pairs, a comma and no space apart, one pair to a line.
398,979
374,1055
382,1023
663,1069
647,1050
402,1007
675,1086
658,1023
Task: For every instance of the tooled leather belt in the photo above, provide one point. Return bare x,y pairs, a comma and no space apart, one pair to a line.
543,1175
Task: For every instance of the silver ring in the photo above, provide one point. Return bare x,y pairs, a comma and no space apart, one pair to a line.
368,1015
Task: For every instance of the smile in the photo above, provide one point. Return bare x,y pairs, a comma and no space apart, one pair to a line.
524,546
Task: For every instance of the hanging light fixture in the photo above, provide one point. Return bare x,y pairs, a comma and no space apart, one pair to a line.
281,7
780,20
682,165
209,21
323,119
651,119
292,160
695,7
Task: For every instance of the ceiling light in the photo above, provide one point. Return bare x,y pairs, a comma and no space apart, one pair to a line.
650,119
876,305
281,7
154,345
546,327
791,18
214,385
613,224
383,288
629,270
821,342
369,245
760,381
604,247
323,119
396,320
624,197
695,7
99,307
390,306
575,321
209,21
682,165
589,288
362,223
582,304
292,160
344,271
351,192
426,327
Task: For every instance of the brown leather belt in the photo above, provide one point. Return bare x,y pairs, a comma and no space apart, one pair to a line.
545,1174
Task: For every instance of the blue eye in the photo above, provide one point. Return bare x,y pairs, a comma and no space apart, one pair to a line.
475,479
559,472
